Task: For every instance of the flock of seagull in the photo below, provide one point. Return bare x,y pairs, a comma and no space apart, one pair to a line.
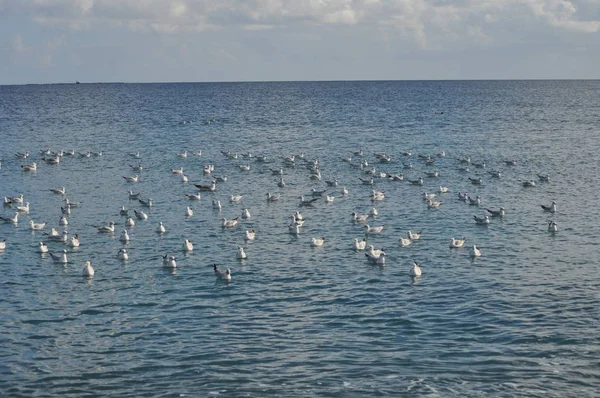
368,174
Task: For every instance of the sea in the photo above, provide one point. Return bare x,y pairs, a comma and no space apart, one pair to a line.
521,320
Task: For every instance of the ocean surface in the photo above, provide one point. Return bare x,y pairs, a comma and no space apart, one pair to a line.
297,320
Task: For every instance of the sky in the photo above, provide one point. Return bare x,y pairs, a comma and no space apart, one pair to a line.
62,41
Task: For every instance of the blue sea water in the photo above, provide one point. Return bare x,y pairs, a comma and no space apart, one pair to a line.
298,321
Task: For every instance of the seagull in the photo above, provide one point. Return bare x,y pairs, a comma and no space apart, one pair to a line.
22,155
307,202
133,196
359,217
66,210
3,245
360,245
189,211
294,228
418,181
177,171
192,196
59,191
74,242
379,260
216,204
250,235
551,208
68,203
110,228
433,174
444,189
528,183
241,254
135,154
122,255
345,191
88,271
475,201
552,227
225,223
374,252
377,195
53,232
169,262
496,213
43,248
273,197
63,221
61,258
456,243
542,177
475,251
367,181
161,228
428,196
476,180
414,235
130,222
316,193
415,270
124,236
333,183
12,220
463,196
281,183
495,173
29,167
298,216
222,274
512,162
220,178
329,199
482,220
147,203
137,168
236,198
140,215
183,154
187,245
246,214
317,242
405,241
373,230
211,187
134,178
36,226
373,212
433,204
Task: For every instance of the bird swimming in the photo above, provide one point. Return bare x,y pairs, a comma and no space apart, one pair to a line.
222,274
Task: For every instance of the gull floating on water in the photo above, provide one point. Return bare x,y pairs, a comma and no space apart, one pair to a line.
273,197
177,171
74,241
250,235
222,274
43,248
124,236
360,244
169,262
456,243
418,181
107,228
475,251
88,270
59,191
229,223
405,241
482,220
147,203
415,270
61,258
476,180
29,167
476,201
433,204
241,254
307,202
359,217
496,213
414,235
36,226
551,208
544,177
216,204
189,211
133,195
374,230
552,226
161,228
130,222
3,244
187,245
211,187
317,242
192,196
379,260
122,255
140,215
12,220
246,214
63,221
134,178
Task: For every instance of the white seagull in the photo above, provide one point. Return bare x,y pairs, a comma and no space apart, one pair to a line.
189,211
225,223
551,208
161,228
360,245
134,178
59,191
482,220
122,255
169,262
88,270
36,226
317,242
405,241
43,248
107,228
496,213
241,254
140,215
74,241
12,220
415,270
475,251
187,245
222,274
61,258
456,243
250,235
124,236
552,227
379,260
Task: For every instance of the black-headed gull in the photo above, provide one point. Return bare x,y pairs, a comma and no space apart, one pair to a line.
12,220
43,248
317,242
496,213
250,235
74,241
360,245
123,255
225,223
379,260
551,208
135,178
59,191
552,226
187,245
222,274
475,251
482,220
61,258
140,215
36,226
3,244
124,237
161,228
107,228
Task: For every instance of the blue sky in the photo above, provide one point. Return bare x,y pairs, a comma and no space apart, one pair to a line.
51,41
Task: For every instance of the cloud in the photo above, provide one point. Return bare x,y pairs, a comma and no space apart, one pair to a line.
18,46
430,24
